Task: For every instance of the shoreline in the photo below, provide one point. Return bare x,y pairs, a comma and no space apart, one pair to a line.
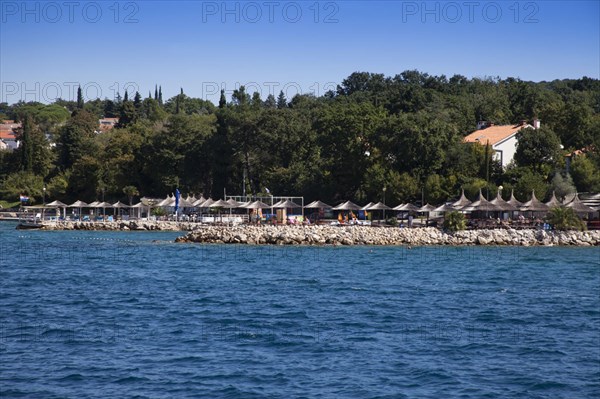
319,235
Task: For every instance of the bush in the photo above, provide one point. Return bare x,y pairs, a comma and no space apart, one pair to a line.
455,221
562,218
392,221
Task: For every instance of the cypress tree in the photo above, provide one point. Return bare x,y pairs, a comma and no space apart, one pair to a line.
160,99
79,98
222,100
156,92
126,98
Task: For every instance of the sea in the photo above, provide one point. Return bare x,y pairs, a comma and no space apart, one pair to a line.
87,314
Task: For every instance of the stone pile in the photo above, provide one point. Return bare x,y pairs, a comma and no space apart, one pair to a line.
365,235
139,225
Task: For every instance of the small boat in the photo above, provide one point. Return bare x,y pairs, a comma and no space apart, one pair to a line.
30,221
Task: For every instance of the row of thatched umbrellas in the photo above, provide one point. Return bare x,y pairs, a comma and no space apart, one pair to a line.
498,204
462,204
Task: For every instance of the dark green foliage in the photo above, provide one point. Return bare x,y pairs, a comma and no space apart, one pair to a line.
562,218
402,132
455,221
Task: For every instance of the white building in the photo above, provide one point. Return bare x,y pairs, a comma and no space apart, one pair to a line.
501,138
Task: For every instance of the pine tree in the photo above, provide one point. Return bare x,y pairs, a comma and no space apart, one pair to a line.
222,100
137,100
281,101
79,98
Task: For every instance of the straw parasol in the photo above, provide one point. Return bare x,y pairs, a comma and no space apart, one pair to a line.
513,201
426,208
461,202
481,204
287,204
318,205
553,202
198,201
220,204
503,205
445,208
366,207
233,203
347,206
534,205
78,204
57,204
408,207
257,205
206,204
579,206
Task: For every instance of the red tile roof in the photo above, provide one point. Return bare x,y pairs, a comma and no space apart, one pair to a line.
494,134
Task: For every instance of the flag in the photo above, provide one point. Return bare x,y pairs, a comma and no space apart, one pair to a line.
177,195
23,198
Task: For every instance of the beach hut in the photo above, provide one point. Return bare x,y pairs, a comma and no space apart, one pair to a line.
504,207
427,209
461,202
380,206
79,204
118,206
578,206
57,204
513,201
321,206
553,202
534,205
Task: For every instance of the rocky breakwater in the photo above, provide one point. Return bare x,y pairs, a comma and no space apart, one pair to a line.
137,225
365,235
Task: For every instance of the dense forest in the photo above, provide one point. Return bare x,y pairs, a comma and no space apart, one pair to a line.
376,137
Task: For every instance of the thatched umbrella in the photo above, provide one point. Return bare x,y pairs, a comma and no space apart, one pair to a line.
57,204
553,202
534,205
503,205
445,208
119,205
366,207
427,209
578,206
347,206
380,206
318,205
481,204
513,201
461,202
78,204
198,201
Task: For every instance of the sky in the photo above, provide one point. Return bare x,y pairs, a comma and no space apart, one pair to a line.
48,48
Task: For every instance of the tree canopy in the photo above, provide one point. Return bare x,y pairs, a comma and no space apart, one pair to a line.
398,138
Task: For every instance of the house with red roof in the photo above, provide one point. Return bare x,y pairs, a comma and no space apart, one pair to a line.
501,138
7,135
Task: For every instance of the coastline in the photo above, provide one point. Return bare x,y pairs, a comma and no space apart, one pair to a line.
341,235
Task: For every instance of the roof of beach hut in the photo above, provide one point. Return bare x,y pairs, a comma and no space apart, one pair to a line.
534,204
57,204
198,201
553,202
366,207
139,205
513,201
206,204
347,206
426,208
233,203
257,205
481,204
408,207
462,201
119,204
103,205
579,206
78,204
288,204
445,208
220,204
501,204
380,206
318,204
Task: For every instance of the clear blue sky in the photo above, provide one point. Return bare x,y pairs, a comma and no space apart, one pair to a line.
47,47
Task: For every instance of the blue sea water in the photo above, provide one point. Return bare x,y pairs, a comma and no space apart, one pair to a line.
134,315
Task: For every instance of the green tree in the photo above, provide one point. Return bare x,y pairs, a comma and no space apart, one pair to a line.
586,174
80,101
537,147
455,221
130,192
562,218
